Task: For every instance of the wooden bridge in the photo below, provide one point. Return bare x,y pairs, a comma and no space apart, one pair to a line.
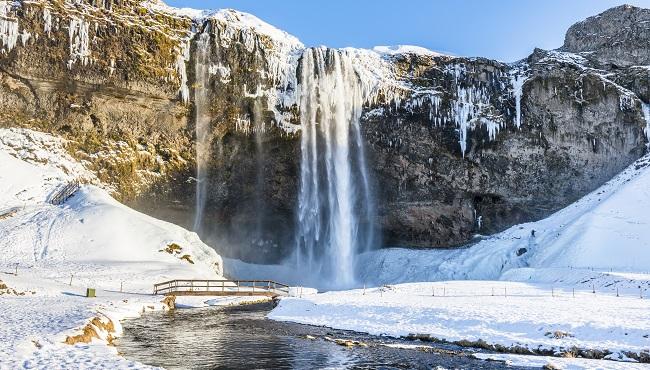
267,288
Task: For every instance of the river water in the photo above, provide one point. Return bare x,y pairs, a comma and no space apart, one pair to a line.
241,337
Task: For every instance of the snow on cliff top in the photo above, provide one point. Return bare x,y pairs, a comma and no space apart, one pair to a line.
406,49
234,18
245,21
92,236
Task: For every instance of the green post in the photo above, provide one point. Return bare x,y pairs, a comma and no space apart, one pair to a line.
90,292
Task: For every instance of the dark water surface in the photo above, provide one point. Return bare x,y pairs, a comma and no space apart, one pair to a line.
242,338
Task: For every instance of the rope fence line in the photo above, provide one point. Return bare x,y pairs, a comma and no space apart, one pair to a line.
505,292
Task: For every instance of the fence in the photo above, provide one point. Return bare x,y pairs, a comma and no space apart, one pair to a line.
62,195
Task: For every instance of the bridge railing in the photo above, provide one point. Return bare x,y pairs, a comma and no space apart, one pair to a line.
221,287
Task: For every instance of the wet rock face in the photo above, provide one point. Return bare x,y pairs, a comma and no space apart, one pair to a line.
465,147
618,37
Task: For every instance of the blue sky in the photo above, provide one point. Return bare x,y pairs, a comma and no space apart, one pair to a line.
507,30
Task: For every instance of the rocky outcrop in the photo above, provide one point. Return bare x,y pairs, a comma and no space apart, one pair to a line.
455,146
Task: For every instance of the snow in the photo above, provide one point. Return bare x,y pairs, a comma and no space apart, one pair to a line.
406,49
558,362
518,314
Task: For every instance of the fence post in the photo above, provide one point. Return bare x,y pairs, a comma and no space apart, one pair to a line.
593,288
16,273
121,286
71,276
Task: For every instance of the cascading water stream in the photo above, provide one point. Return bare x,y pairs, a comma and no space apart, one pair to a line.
646,114
334,204
202,125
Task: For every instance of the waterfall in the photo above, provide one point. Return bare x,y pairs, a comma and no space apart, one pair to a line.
334,202
646,114
202,121
259,129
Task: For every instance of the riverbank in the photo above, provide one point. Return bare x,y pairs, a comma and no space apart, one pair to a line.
510,317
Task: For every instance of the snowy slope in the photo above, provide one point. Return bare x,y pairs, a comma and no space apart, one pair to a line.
607,230
93,237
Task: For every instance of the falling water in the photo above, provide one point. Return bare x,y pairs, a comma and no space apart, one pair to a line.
646,114
258,131
202,112
334,204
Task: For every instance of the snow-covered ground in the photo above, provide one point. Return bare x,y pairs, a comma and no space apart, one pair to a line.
92,241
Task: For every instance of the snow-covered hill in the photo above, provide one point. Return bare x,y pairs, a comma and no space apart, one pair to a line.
607,231
92,238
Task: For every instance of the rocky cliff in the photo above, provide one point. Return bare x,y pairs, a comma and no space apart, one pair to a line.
454,146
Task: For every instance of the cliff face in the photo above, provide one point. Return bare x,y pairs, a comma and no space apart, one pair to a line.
455,146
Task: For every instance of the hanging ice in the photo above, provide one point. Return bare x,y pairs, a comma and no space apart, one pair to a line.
79,41
517,89
334,204
8,28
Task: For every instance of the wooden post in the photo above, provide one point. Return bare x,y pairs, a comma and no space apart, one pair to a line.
223,286
121,286
16,273
617,292
71,279
593,288
364,288
207,288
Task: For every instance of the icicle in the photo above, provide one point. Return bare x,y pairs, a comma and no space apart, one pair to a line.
518,82
8,28
79,41
47,21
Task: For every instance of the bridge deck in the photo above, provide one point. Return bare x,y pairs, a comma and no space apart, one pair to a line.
266,288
